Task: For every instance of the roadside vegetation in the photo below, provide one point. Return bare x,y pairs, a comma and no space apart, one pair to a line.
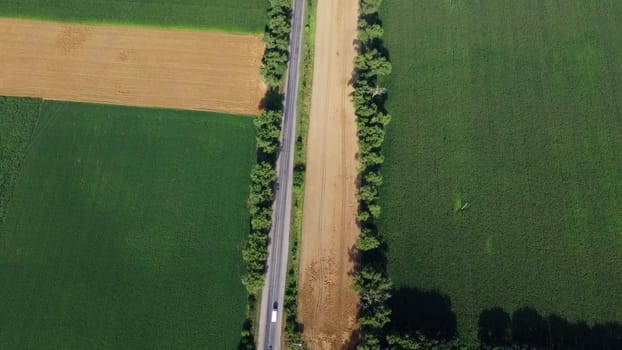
503,178
277,43
239,16
125,229
18,118
293,336
263,175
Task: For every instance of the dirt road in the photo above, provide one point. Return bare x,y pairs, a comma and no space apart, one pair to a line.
327,307
131,66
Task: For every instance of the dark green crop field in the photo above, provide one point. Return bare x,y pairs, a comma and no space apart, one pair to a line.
125,231
511,111
18,118
243,16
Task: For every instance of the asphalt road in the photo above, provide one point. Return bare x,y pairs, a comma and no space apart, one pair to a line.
270,333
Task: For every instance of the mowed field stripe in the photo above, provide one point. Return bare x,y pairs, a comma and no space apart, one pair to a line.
131,66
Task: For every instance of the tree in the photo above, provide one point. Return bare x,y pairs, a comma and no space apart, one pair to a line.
282,5
363,217
247,340
369,7
373,287
367,240
372,135
274,42
372,178
375,210
274,63
263,174
268,125
376,319
372,63
368,193
369,342
381,118
369,32
365,109
253,281
372,159
262,220
274,67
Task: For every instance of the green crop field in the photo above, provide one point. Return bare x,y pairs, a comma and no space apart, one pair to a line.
125,231
511,110
244,16
18,118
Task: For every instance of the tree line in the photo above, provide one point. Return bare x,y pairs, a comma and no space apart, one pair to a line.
263,173
268,129
372,283
276,38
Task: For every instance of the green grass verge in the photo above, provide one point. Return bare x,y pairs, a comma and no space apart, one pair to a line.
513,107
293,337
125,231
240,16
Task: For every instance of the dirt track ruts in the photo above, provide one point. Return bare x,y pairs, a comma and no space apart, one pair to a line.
131,66
327,307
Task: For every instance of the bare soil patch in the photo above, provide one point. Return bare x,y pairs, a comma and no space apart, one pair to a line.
327,307
131,66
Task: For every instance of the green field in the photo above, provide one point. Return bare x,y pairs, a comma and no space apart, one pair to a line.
514,107
18,118
243,16
125,231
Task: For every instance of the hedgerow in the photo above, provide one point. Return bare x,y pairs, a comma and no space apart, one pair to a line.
372,282
263,175
268,126
276,38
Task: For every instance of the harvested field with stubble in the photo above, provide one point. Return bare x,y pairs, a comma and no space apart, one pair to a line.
183,69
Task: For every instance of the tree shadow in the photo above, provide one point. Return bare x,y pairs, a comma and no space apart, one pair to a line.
272,100
247,340
494,327
356,43
353,340
424,312
354,256
528,328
